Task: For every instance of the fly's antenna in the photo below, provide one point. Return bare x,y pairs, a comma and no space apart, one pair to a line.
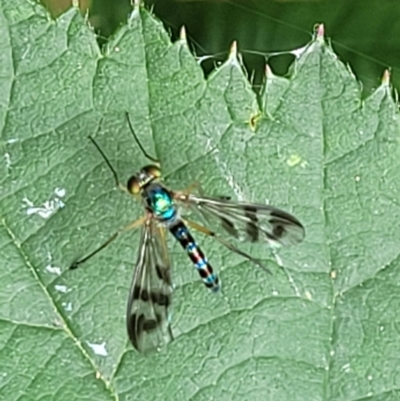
137,140
112,169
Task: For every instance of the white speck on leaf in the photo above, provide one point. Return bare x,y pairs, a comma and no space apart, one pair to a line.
53,270
48,208
61,288
98,349
60,192
7,158
293,160
67,306
346,367
278,259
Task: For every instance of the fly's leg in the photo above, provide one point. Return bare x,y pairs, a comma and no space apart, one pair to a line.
194,186
130,226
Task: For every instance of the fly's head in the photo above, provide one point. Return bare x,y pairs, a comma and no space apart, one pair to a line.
138,182
158,200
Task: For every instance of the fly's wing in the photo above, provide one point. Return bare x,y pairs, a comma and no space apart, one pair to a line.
249,221
147,315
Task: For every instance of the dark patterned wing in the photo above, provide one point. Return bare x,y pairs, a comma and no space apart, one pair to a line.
248,221
147,315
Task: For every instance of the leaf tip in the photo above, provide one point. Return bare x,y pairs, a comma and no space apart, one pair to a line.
319,32
233,51
268,71
182,34
135,9
386,78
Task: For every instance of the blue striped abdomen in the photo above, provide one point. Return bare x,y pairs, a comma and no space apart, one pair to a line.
182,234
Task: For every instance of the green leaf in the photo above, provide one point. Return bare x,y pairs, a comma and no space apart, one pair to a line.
323,327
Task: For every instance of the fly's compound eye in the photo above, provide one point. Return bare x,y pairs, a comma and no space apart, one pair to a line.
146,175
153,171
134,185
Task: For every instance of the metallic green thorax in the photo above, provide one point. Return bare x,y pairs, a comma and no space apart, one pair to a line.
160,202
